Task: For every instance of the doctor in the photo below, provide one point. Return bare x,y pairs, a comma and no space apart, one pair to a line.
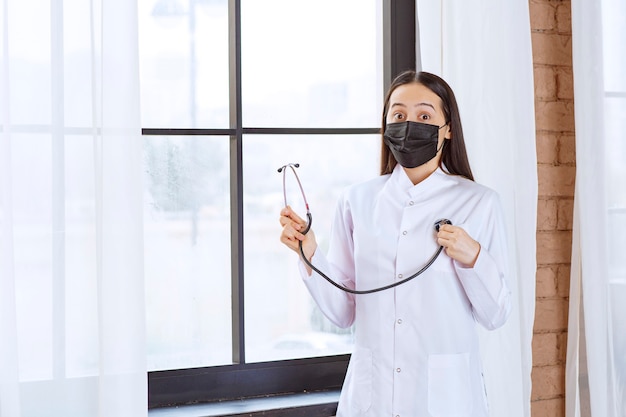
416,347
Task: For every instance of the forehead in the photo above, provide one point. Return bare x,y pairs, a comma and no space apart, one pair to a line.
414,94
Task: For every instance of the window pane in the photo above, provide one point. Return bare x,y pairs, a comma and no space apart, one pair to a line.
311,64
282,321
187,251
81,238
26,52
615,125
613,35
55,240
184,63
33,253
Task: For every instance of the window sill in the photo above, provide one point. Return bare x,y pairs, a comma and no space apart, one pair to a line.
322,404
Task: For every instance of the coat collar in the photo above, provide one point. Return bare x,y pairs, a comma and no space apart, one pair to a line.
435,182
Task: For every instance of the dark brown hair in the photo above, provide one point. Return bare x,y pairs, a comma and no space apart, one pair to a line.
454,155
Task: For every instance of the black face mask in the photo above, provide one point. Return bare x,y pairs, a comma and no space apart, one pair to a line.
411,143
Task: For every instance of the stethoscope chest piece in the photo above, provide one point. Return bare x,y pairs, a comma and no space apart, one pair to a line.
440,223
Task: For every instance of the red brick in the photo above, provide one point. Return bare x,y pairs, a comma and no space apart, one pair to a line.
548,382
545,82
563,281
567,149
562,347
554,247
556,181
542,16
555,116
551,315
545,349
554,407
556,157
546,281
565,83
547,214
565,214
547,148
552,49
564,17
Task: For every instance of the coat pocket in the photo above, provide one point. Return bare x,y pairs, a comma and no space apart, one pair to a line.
449,386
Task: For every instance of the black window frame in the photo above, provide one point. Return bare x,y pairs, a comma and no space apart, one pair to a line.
241,379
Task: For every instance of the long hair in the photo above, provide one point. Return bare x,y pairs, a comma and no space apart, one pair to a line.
454,155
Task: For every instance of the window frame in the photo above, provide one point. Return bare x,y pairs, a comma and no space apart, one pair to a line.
242,379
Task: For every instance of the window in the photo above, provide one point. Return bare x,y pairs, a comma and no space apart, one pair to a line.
232,90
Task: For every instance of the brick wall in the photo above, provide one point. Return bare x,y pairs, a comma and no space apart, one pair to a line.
554,114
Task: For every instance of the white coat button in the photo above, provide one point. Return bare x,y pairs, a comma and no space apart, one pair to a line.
399,275
398,370
411,203
404,233
399,321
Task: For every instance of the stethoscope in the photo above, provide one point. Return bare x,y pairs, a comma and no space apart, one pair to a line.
438,224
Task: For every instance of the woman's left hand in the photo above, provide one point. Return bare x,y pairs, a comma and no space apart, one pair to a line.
458,244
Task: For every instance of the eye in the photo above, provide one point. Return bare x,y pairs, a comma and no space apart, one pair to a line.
398,117
424,117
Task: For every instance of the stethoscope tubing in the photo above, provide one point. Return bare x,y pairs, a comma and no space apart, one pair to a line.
293,167
373,290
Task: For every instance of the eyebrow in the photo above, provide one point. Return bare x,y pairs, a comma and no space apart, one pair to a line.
417,105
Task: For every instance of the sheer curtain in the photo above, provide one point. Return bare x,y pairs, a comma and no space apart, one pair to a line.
483,49
71,249
596,357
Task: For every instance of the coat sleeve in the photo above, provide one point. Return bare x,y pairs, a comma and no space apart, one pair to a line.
337,305
486,283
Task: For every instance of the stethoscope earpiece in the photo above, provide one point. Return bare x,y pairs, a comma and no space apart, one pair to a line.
297,165
293,167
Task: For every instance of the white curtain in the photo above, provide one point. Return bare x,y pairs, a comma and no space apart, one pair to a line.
71,251
483,49
596,356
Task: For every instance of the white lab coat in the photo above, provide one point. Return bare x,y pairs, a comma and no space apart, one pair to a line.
416,350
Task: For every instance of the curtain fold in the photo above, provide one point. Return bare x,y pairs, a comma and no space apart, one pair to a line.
596,348
72,321
489,66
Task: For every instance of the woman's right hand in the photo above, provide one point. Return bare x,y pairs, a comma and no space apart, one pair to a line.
291,235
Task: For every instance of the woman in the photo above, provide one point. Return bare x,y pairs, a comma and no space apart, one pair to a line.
416,347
